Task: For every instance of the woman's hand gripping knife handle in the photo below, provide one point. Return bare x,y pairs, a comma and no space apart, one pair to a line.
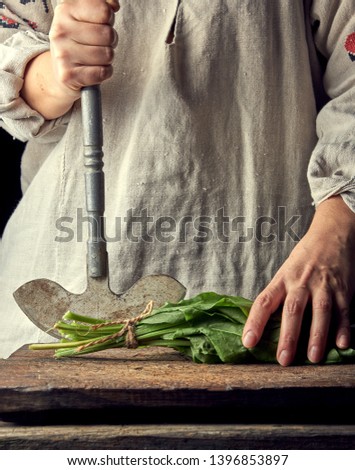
82,43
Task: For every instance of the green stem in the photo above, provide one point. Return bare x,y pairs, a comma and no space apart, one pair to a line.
169,343
82,318
70,344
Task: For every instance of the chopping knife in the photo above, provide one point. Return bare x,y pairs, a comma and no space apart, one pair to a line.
45,301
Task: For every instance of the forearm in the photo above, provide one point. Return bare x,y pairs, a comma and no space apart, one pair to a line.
42,92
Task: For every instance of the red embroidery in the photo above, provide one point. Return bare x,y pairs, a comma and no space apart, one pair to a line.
33,24
350,46
8,22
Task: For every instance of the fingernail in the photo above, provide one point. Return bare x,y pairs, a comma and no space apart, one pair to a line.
343,342
249,340
115,39
284,357
313,354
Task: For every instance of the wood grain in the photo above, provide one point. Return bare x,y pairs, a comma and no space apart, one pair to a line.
193,436
121,382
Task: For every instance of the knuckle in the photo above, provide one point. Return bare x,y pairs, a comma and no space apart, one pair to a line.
61,55
109,53
61,9
325,276
340,285
292,306
66,76
306,276
323,304
104,13
101,34
333,279
105,73
57,32
60,18
264,300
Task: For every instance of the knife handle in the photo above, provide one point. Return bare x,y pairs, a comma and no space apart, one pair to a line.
94,179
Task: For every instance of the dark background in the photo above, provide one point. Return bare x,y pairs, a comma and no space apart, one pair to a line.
11,151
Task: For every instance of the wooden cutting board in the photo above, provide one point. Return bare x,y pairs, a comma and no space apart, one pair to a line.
122,382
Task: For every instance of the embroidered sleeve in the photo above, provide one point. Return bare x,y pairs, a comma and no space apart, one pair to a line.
24,27
21,15
332,166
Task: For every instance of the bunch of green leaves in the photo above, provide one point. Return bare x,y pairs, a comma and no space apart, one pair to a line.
207,329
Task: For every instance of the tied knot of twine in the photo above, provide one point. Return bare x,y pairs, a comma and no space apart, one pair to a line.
128,330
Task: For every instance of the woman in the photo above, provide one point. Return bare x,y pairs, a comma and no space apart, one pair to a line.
225,123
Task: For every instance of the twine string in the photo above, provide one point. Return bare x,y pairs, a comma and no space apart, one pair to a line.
129,329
